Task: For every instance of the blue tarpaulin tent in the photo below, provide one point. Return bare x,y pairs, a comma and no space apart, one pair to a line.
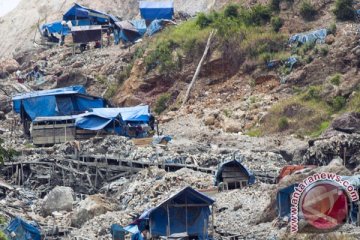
55,28
156,10
185,212
100,118
157,25
55,102
283,200
80,15
23,230
313,36
240,170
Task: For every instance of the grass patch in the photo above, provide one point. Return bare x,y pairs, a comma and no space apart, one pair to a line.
255,132
336,79
344,10
162,103
276,23
283,123
307,11
101,79
227,113
323,126
241,34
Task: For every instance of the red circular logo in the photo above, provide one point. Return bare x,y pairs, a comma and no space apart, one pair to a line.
324,205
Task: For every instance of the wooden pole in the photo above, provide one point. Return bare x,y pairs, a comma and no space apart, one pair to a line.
212,221
168,215
212,33
186,215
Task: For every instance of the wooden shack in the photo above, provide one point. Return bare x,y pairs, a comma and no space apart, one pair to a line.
232,175
59,129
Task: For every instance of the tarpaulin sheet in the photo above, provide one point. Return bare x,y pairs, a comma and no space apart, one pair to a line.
55,27
23,230
218,175
140,26
197,217
40,106
283,200
99,118
313,36
77,12
56,91
156,10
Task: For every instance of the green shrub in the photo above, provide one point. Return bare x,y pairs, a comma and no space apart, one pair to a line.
344,10
255,132
283,123
232,11
324,51
203,20
276,23
307,11
275,5
313,93
323,126
6,154
332,29
257,15
335,80
162,56
3,236
338,103
162,103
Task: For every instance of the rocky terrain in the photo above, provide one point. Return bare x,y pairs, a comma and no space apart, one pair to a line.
238,109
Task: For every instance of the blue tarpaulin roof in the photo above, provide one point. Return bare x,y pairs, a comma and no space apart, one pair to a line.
56,102
78,12
156,10
99,118
56,27
235,163
23,230
283,200
313,36
194,218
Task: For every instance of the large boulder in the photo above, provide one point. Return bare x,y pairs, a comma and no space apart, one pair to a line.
59,199
7,67
348,123
89,208
71,78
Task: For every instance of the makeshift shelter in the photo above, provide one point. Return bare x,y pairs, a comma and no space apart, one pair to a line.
233,175
128,121
55,102
283,200
157,25
156,10
22,230
126,31
81,16
186,213
317,36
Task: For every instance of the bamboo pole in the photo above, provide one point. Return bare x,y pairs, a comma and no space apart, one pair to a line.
212,33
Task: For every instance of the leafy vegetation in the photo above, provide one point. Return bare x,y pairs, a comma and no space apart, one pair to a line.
307,11
276,23
283,123
162,103
242,34
6,154
332,29
255,132
335,80
338,103
344,10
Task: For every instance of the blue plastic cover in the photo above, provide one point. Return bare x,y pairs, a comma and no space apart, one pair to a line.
56,27
23,230
314,36
56,102
196,216
283,200
77,12
99,118
218,175
140,26
156,10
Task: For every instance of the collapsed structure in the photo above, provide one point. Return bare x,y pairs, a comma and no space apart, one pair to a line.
63,114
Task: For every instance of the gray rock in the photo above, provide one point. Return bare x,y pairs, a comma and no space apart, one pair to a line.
59,199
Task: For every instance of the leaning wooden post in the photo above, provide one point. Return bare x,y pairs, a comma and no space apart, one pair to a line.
212,33
168,215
